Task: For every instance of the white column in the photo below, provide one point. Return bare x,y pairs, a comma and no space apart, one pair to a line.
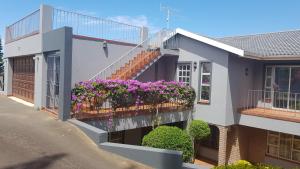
39,81
8,72
144,33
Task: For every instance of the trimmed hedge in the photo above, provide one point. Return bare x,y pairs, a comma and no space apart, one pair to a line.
199,130
171,138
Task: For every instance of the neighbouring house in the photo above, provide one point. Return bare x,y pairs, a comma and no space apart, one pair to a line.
247,87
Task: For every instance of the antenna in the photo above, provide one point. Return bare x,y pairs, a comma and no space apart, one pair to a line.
168,11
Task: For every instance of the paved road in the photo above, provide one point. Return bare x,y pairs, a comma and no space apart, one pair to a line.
34,140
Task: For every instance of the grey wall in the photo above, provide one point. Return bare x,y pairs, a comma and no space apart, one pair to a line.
97,135
138,121
239,82
89,57
153,157
269,124
194,51
163,69
25,46
61,40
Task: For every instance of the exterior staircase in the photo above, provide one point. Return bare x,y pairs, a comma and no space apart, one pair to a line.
138,59
136,65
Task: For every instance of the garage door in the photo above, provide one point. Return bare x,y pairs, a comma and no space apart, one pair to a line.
23,78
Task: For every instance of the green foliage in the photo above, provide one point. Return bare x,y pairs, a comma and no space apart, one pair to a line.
199,130
171,138
242,164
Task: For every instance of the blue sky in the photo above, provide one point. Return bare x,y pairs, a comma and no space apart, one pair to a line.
215,18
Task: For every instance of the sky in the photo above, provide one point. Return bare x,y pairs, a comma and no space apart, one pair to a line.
213,18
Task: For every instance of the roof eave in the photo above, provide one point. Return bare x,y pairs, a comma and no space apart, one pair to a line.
211,42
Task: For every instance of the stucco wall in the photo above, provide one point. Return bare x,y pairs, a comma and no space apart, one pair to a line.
138,121
89,57
194,51
26,46
163,69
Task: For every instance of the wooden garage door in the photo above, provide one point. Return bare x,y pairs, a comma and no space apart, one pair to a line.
23,78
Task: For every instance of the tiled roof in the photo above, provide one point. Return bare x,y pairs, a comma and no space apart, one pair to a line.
277,44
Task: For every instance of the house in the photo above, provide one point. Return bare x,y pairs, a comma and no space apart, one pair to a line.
247,87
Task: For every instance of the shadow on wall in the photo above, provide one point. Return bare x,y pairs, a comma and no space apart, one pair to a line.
39,163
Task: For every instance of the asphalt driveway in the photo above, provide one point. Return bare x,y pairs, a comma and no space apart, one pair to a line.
32,139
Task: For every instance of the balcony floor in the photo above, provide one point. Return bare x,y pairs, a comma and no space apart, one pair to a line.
273,114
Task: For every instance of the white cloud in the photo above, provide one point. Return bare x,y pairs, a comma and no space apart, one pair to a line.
140,20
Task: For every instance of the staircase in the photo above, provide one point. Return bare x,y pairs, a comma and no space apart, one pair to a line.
136,65
138,59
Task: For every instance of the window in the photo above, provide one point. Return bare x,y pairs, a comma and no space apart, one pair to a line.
184,73
205,82
213,140
283,146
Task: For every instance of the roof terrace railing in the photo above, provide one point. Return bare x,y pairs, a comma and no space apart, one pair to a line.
27,26
95,27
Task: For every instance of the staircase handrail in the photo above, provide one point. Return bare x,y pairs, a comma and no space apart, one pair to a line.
149,43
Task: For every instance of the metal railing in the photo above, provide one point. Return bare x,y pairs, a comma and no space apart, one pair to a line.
156,41
28,25
96,27
286,101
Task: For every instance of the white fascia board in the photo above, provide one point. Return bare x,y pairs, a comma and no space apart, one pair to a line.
211,42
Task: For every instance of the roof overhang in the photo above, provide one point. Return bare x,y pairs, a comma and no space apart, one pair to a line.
211,42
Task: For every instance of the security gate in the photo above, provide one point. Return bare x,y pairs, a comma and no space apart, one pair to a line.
53,72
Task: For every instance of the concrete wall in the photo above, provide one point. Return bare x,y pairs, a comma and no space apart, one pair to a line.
138,121
153,157
194,51
163,69
25,46
89,57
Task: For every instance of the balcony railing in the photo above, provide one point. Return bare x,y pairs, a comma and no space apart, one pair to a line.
95,27
27,26
277,100
102,98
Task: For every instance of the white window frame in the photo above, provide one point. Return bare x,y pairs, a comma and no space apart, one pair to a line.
205,84
278,146
184,76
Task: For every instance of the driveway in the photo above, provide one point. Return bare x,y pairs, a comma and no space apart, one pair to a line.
32,139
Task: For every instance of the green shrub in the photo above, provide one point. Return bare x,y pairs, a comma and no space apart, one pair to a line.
171,138
243,164
199,130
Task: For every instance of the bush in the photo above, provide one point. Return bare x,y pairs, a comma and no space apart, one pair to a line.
171,138
243,164
199,130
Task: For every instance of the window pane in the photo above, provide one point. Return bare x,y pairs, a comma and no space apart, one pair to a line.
205,92
188,67
296,145
273,140
269,71
285,146
296,156
272,150
295,80
206,79
206,67
268,82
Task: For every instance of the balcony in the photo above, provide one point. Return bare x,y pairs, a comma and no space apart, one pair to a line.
48,18
105,99
273,104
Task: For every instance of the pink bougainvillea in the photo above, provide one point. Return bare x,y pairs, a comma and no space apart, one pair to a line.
124,93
